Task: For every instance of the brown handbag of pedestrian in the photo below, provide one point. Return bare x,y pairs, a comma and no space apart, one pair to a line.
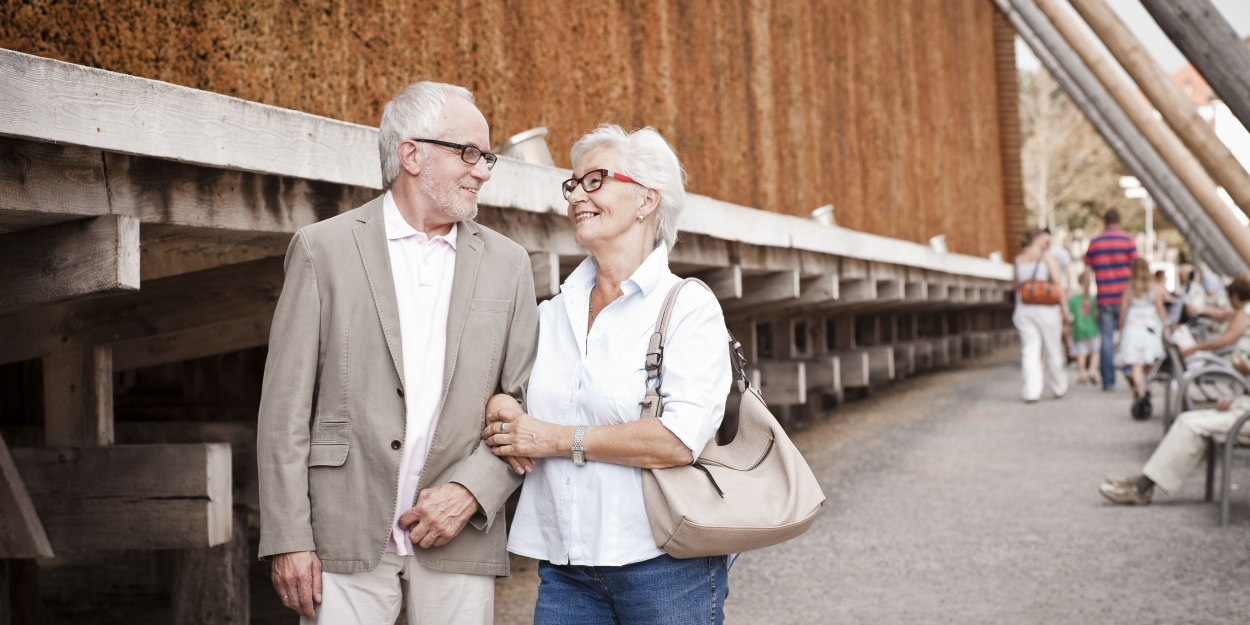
1042,292
749,488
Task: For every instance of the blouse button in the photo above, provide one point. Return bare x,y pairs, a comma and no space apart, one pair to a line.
396,445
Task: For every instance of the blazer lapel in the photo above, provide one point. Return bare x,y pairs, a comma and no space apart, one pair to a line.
468,259
376,257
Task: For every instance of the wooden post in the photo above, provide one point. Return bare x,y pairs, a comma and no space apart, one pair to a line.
209,586
1197,134
78,397
1123,137
1211,44
1168,145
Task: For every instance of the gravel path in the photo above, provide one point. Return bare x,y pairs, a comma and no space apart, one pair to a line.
950,501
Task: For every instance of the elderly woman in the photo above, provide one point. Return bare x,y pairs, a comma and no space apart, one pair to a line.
581,512
1185,444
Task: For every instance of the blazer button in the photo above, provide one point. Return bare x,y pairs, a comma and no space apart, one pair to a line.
396,445
399,391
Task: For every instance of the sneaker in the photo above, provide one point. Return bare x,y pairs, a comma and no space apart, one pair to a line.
1121,480
1125,494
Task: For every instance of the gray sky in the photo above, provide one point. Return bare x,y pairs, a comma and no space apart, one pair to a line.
1237,12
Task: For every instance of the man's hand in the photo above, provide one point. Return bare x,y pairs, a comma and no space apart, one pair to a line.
441,512
297,578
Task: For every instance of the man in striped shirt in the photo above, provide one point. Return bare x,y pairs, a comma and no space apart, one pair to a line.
1110,257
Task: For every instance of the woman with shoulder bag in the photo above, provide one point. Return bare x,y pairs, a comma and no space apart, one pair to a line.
1039,317
583,444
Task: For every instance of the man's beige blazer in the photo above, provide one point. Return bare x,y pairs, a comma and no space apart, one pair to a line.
332,414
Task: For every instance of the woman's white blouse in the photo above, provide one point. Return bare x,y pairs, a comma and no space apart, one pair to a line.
594,514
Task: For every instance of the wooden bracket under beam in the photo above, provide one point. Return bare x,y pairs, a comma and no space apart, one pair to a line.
21,532
779,286
726,282
67,260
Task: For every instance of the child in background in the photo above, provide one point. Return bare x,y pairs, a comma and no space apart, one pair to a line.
1141,324
1085,341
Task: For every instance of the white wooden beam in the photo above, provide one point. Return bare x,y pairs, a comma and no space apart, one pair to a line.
21,532
546,268
59,102
131,496
54,263
50,101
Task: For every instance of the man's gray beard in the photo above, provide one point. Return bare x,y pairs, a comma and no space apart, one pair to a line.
451,206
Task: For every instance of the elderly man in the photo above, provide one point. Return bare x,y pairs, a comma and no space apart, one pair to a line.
397,321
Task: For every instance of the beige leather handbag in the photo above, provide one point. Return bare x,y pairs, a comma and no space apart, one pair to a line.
749,488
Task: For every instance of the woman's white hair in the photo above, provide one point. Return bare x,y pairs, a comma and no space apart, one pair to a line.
414,113
646,157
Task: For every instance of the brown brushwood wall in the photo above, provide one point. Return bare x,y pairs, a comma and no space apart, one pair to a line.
887,108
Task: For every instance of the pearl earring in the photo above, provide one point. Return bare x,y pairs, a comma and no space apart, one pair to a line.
640,217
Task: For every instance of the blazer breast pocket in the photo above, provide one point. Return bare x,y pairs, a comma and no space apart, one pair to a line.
484,330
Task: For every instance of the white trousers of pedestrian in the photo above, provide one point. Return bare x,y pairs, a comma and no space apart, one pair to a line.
1041,329
431,597
1185,444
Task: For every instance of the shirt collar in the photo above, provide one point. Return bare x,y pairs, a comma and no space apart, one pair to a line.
645,278
398,228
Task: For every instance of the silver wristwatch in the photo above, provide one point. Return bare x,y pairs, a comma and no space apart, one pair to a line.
579,449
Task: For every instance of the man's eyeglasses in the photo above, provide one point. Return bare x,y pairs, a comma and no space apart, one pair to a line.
592,180
468,153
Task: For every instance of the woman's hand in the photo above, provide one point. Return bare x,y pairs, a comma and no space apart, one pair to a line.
511,433
1224,403
520,464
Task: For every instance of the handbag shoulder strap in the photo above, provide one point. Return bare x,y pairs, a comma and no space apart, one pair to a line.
652,404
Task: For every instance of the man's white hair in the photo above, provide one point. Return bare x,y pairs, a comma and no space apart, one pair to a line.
414,113
646,157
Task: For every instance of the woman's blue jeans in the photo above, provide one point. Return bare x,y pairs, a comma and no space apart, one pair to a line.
659,591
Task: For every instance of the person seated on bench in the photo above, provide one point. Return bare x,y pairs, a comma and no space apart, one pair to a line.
1182,449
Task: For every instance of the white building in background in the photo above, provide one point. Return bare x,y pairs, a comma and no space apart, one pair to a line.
1227,127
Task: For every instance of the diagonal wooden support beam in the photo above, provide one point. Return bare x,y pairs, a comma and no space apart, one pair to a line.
67,260
1198,134
21,533
1202,34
